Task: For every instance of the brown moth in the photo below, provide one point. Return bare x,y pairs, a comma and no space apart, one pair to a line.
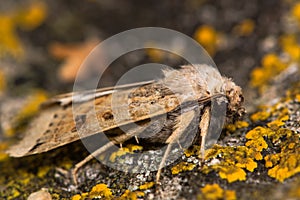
58,123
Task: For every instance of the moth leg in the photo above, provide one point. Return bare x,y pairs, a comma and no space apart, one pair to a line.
87,159
119,139
203,125
179,145
183,121
136,139
162,162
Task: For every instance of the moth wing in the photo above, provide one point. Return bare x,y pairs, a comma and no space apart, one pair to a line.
55,125
48,130
82,96
59,120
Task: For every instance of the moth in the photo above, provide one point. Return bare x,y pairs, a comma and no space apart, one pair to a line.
182,95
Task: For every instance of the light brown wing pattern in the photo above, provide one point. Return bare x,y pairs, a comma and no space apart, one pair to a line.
55,127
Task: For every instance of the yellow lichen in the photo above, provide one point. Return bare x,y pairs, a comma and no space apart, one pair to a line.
285,163
3,147
241,124
42,171
25,17
232,173
194,150
278,122
278,173
230,127
25,178
215,192
271,160
183,166
147,186
255,133
276,135
297,97
129,195
290,45
260,116
155,55
133,148
33,104
245,28
230,195
9,41
120,152
237,125
232,162
31,16
15,193
30,108
76,197
296,11
289,165
292,145
81,196
259,144
124,150
247,163
67,164
271,66
207,36
256,140
2,82
253,153
100,191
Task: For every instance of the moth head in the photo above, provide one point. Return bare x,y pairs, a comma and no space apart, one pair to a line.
235,99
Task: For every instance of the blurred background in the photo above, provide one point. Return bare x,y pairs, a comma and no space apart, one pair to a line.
43,42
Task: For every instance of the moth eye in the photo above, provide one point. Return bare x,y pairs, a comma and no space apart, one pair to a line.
55,116
107,116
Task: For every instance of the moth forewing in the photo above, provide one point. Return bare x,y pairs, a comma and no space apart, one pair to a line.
57,122
63,119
